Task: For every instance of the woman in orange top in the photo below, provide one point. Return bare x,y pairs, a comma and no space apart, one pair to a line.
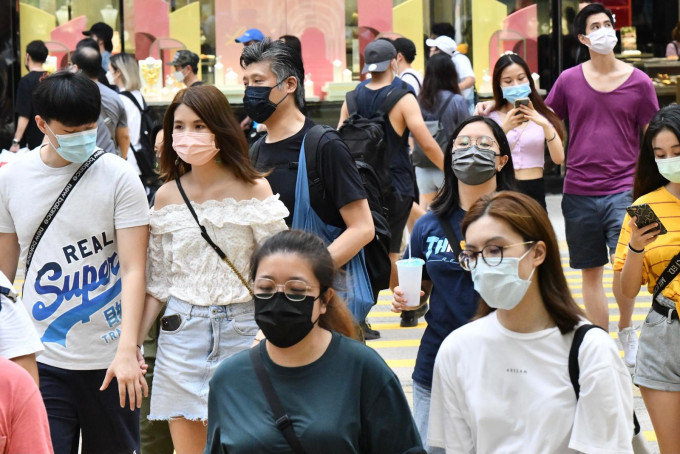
642,256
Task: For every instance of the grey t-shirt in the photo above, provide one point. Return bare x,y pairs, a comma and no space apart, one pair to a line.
113,113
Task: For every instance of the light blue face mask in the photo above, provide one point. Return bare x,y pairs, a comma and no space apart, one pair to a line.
515,92
77,146
500,286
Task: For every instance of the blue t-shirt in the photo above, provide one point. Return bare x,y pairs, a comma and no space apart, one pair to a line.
453,300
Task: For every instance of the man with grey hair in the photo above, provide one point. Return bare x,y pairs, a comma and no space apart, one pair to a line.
274,96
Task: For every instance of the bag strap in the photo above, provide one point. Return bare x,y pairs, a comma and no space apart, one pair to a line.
451,236
443,107
209,240
671,271
392,98
352,107
312,152
255,150
414,76
132,98
575,369
56,206
283,422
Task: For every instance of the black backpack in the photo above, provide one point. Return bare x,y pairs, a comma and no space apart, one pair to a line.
145,155
366,139
376,252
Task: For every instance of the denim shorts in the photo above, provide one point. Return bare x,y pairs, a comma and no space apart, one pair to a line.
658,358
593,225
188,356
429,179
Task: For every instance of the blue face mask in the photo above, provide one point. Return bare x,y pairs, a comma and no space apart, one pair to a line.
75,147
516,92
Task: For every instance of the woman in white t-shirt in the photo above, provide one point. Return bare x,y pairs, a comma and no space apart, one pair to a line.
124,73
501,383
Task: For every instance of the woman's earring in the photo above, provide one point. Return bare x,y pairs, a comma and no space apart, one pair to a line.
218,159
177,161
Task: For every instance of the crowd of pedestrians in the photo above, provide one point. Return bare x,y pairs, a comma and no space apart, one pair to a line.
237,291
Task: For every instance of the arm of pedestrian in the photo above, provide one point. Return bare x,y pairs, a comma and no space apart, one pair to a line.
359,232
9,255
632,271
466,83
125,367
484,108
344,114
399,302
123,141
22,122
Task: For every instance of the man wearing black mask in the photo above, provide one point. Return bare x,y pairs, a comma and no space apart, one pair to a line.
274,96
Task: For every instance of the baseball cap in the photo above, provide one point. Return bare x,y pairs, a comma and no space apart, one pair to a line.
184,57
378,55
101,31
443,43
252,34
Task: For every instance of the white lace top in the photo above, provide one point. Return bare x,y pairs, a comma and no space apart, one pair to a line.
182,264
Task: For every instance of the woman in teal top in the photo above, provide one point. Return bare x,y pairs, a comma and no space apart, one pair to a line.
340,395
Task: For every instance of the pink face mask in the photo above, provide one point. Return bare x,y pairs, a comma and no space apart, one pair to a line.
195,148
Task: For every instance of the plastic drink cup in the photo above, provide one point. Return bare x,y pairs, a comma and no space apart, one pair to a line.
410,273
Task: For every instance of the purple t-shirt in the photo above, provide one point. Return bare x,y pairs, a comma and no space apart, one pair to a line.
604,130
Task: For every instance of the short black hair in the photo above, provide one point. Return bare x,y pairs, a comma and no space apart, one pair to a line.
88,60
87,42
37,50
71,99
443,29
583,15
405,47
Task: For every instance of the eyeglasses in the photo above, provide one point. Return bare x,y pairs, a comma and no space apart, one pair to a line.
295,290
491,254
482,142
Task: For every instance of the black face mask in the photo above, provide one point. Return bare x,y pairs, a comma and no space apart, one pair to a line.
284,322
256,102
474,166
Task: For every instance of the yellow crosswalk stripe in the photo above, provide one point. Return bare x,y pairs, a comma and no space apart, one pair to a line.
393,343
394,363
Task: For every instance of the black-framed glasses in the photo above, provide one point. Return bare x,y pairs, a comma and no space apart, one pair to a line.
295,290
491,254
482,142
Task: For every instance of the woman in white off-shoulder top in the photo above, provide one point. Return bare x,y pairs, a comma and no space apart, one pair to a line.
210,312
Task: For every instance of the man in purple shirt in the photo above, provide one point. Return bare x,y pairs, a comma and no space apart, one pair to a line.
608,104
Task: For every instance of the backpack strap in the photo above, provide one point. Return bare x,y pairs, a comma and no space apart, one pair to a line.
414,76
255,150
443,107
283,422
575,369
132,98
312,152
352,106
392,98
451,236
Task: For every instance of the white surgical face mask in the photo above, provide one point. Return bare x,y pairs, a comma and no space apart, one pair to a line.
603,40
669,168
110,77
500,286
179,76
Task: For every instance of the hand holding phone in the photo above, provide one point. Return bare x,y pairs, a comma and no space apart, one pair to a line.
645,216
522,102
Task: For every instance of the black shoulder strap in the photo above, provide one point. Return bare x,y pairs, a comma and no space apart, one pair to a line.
392,98
255,150
575,369
669,273
132,98
450,233
283,422
442,109
56,206
206,237
312,153
351,98
414,76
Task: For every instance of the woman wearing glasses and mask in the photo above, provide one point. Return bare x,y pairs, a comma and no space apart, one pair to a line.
501,383
339,395
476,162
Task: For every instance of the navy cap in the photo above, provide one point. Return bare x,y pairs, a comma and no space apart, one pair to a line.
378,55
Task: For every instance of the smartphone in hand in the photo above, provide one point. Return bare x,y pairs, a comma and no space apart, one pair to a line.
645,216
521,102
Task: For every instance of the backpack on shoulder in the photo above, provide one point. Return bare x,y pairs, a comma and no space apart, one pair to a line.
435,127
145,155
376,252
366,140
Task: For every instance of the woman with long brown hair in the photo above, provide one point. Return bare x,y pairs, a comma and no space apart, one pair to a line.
529,127
207,219
501,383
339,395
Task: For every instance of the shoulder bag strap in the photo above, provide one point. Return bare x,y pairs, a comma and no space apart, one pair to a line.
575,369
209,240
56,206
392,98
444,106
132,98
671,271
312,153
450,233
414,76
283,422
255,150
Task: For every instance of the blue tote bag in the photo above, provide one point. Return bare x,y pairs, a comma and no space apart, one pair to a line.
357,286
